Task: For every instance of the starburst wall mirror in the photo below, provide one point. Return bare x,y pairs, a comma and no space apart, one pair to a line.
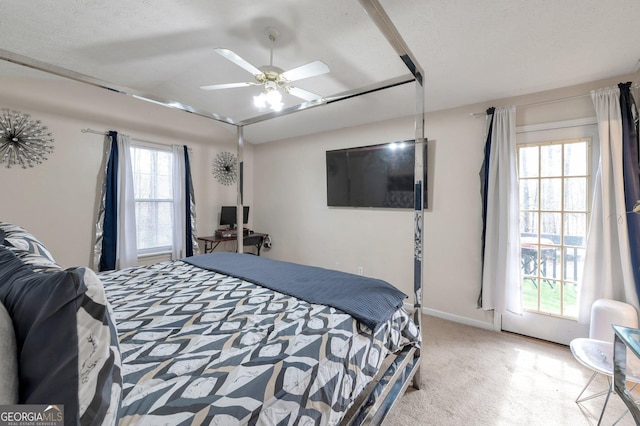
225,168
23,141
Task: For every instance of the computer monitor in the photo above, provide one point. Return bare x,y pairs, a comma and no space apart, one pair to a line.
228,216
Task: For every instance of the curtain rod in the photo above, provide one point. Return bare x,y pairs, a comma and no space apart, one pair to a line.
550,101
98,132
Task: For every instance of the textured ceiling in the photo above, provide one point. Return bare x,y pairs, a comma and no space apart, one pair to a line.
471,51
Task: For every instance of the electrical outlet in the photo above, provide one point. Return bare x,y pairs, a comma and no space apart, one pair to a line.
360,270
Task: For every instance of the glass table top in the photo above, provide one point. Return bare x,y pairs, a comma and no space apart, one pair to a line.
630,336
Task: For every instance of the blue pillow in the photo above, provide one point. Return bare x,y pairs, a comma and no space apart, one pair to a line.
64,340
43,310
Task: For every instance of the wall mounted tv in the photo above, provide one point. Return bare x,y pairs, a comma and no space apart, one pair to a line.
374,176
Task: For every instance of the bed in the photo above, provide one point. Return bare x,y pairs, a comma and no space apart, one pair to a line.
220,339
184,343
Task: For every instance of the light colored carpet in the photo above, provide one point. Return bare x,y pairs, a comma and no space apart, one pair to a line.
472,376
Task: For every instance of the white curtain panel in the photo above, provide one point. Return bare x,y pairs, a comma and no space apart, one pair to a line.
607,267
501,281
179,249
126,250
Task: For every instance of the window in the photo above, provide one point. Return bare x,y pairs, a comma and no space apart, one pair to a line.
153,191
554,202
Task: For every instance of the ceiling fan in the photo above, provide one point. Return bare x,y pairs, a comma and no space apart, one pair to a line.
272,77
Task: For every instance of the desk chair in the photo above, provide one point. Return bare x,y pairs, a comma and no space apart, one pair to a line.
596,351
253,241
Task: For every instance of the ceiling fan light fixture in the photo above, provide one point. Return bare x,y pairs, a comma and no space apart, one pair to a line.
260,101
271,97
277,107
274,99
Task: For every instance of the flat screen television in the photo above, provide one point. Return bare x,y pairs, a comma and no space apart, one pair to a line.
374,176
228,216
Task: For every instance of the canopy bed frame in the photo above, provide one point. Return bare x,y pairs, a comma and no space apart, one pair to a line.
399,371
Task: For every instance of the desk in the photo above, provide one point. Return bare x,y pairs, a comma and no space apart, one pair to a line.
211,242
625,338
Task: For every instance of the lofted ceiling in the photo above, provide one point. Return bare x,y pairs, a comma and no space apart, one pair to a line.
471,51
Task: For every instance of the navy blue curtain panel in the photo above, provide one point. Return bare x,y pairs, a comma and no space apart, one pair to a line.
484,188
631,171
110,226
188,190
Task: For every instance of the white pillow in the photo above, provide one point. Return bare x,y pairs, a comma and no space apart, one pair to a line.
8,360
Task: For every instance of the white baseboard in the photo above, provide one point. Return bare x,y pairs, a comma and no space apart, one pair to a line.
458,319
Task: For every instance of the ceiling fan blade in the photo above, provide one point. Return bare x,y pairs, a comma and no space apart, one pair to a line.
302,94
228,85
237,60
305,71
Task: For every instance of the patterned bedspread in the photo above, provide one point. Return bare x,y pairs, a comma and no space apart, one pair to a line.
199,347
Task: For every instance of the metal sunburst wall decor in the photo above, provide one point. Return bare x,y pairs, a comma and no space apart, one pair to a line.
23,141
225,168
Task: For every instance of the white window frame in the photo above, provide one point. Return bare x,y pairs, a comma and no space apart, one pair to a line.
561,246
158,250
543,326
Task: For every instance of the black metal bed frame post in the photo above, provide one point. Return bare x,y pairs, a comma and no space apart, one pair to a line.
387,28
240,201
419,217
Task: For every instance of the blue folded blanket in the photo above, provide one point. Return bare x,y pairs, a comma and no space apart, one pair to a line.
369,300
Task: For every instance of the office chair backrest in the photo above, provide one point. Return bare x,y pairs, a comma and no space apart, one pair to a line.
253,240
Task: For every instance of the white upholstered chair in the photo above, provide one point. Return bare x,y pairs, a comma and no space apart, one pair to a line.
596,351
